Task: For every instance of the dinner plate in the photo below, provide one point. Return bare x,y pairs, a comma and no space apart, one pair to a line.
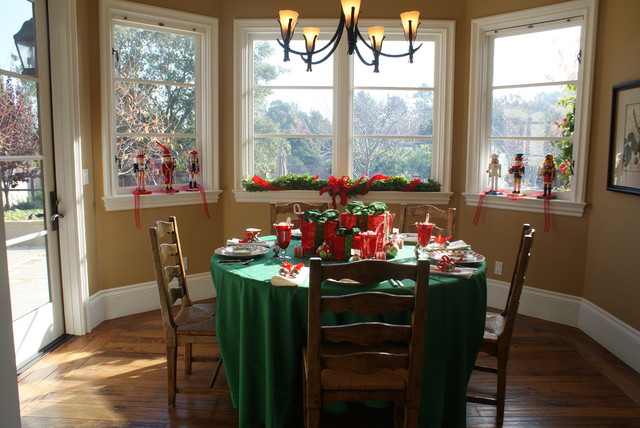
242,250
457,256
296,234
409,237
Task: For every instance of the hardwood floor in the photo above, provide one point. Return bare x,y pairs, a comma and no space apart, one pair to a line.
115,377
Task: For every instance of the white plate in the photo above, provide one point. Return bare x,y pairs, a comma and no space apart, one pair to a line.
242,250
409,237
344,281
457,256
296,233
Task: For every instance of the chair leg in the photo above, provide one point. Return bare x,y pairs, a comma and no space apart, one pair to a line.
188,357
411,417
399,414
172,357
215,373
313,417
502,388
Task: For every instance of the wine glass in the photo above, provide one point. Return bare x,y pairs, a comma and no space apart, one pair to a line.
283,237
424,233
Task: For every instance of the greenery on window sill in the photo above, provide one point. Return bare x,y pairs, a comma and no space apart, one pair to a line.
352,187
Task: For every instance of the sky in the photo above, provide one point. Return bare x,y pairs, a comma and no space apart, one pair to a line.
15,13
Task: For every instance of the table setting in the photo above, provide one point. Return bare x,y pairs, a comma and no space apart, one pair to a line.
262,311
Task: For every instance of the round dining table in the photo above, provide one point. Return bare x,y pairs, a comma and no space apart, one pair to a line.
261,329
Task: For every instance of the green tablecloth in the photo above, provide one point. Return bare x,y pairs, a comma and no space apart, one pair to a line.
261,329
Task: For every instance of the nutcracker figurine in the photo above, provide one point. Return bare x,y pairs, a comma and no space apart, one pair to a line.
168,167
193,168
495,171
548,173
139,168
517,169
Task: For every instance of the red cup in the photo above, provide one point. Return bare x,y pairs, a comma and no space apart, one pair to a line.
424,233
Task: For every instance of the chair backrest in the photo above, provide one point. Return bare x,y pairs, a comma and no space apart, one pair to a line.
170,273
517,282
444,219
278,211
368,342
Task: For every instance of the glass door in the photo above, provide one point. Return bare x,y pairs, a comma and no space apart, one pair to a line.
27,179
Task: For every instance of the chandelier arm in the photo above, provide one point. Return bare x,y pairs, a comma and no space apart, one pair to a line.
362,58
333,49
372,49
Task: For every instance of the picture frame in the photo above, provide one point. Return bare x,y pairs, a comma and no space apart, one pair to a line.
624,145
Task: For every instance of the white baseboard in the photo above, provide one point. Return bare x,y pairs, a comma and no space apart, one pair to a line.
613,334
133,299
619,338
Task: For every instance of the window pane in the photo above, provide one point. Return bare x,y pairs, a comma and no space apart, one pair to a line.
273,157
534,153
543,56
128,148
410,158
397,72
292,111
19,127
378,112
270,69
147,108
528,112
16,22
154,55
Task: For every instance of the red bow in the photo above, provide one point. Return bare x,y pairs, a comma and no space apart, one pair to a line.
339,186
414,183
446,264
265,184
367,186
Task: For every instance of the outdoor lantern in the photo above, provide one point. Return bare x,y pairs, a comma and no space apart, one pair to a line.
26,45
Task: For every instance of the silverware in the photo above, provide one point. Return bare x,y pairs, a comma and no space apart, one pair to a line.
393,282
244,262
396,283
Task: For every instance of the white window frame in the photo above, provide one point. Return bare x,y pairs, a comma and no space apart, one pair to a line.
207,114
442,32
479,106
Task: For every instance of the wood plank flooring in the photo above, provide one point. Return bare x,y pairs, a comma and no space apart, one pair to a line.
115,377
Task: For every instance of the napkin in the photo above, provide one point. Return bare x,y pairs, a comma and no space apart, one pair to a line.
233,241
286,281
465,272
458,245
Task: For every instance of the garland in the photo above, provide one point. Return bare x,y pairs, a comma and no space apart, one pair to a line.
350,186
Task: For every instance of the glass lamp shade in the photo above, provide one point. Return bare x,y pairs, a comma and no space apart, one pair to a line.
376,34
26,45
285,16
351,10
410,21
310,35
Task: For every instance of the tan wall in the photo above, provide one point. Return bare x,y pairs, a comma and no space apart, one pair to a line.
559,257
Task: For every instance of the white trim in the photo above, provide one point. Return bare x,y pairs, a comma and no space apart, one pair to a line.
208,104
68,148
477,153
137,298
441,32
617,337
126,202
433,198
558,207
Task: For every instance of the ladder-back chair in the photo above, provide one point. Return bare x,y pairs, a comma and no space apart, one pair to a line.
444,219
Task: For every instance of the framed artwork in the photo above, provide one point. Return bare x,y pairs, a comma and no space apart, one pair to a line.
624,149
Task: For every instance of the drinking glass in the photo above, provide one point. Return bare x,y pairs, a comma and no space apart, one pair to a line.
283,237
424,233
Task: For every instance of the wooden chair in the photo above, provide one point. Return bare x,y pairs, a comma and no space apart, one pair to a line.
444,219
278,211
367,360
192,323
499,327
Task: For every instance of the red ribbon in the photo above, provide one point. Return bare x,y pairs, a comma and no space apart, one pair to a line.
136,208
547,205
136,201
339,186
444,262
373,179
265,184
414,183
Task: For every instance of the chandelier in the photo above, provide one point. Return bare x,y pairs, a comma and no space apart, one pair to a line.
349,20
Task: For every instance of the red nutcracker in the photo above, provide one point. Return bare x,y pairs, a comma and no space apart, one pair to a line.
193,168
168,167
548,173
517,169
139,168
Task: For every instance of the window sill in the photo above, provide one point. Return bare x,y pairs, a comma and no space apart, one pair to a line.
558,207
157,200
312,196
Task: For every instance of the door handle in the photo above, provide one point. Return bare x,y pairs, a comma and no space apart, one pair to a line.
56,216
